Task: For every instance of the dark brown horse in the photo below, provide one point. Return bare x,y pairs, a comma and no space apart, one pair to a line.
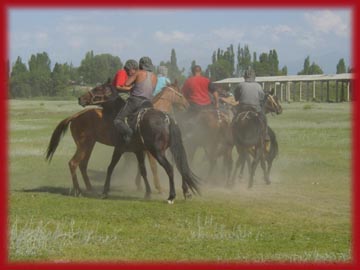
272,105
249,138
155,132
165,101
96,125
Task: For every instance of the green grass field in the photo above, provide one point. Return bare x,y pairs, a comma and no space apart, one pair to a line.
303,216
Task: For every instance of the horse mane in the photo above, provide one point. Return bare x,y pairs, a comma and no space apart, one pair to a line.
114,104
158,95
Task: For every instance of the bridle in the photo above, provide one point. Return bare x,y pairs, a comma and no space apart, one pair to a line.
97,98
273,104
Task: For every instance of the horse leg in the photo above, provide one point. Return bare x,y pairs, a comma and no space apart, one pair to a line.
231,181
154,170
247,161
141,160
114,160
84,163
264,168
257,158
228,160
73,164
244,159
138,180
161,158
269,165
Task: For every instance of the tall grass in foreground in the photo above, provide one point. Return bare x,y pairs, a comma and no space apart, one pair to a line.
304,215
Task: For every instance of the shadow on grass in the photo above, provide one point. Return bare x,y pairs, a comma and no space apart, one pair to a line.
96,193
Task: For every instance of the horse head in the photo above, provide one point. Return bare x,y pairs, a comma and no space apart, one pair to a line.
99,95
272,103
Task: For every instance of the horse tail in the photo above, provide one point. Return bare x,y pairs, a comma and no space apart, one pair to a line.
58,132
274,148
178,151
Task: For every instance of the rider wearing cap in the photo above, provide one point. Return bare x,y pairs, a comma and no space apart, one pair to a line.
141,85
251,96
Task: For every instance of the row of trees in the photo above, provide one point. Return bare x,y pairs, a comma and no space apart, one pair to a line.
223,63
40,80
37,78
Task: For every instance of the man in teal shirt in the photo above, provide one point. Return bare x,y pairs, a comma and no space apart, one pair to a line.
162,80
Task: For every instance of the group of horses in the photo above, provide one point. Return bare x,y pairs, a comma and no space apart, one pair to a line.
156,130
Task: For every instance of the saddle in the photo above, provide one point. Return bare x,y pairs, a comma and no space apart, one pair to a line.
133,119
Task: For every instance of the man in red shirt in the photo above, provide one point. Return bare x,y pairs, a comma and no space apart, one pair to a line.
196,90
120,78
130,68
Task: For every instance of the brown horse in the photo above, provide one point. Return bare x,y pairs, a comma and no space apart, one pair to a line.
248,137
155,131
165,101
96,125
272,105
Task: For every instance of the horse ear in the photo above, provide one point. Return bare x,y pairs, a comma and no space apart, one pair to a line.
108,80
272,91
175,82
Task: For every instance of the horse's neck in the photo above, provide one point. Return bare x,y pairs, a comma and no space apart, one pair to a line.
113,107
163,104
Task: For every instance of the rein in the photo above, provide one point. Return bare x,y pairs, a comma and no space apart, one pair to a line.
94,97
273,103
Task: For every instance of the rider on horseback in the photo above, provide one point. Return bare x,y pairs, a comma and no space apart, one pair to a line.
196,90
251,97
141,84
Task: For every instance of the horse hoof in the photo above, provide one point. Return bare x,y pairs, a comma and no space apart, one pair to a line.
147,197
104,196
188,196
170,201
230,185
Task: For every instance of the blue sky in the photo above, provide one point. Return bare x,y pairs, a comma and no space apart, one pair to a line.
67,34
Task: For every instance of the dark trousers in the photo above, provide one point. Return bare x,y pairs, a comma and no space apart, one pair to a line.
261,115
133,103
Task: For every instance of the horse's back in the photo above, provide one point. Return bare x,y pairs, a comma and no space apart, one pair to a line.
93,124
247,128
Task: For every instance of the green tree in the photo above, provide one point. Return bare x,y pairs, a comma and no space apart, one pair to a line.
284,71
59,80
193,64
98,68
40,74
174,73
223,64
306,68
219,70
315,69
262,67
273,63
243,60
341,67
19,83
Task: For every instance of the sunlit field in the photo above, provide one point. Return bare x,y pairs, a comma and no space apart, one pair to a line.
303,215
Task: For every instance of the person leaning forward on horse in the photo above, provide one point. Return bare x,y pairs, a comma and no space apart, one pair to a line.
251,96
141,85
196,90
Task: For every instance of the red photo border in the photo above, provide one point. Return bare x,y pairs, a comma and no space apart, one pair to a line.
5,5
